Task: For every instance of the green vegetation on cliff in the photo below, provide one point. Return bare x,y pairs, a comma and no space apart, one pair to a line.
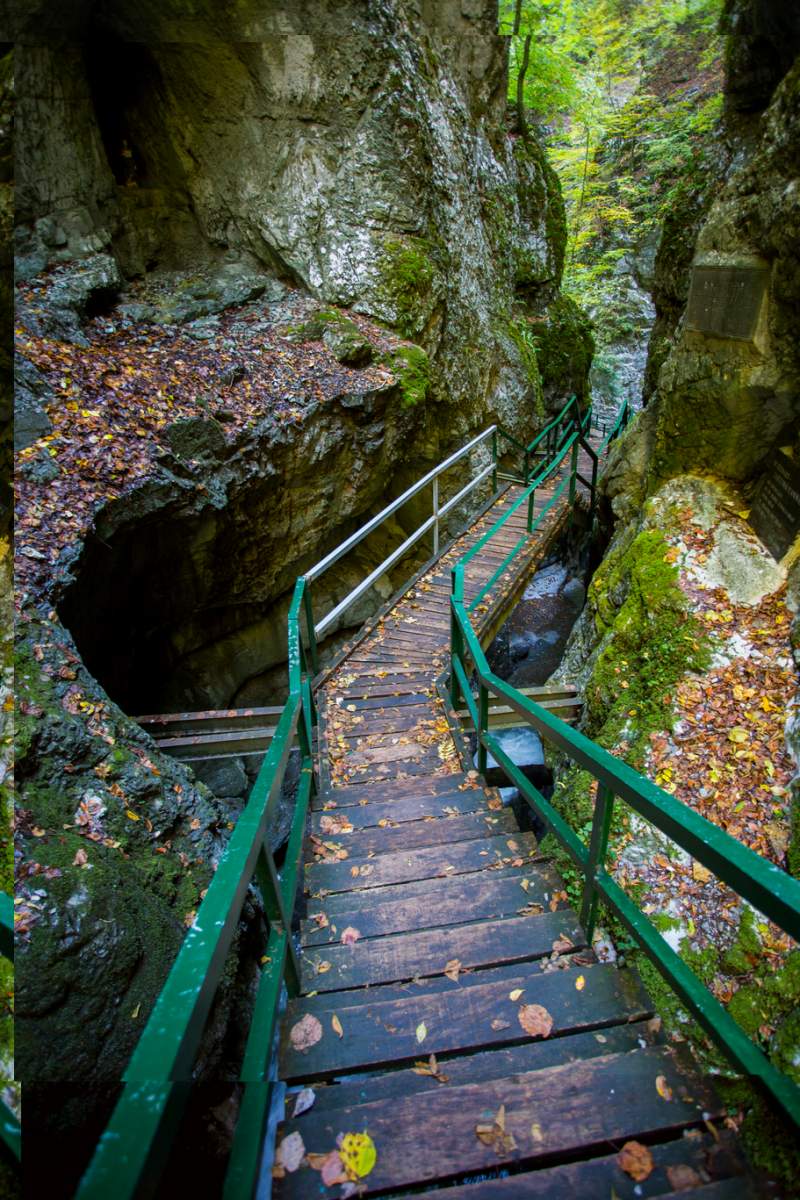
626,94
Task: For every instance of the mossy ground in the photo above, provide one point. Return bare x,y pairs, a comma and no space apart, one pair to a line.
648,642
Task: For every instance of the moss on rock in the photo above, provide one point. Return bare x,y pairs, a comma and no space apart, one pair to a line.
409,275
565,350
411,365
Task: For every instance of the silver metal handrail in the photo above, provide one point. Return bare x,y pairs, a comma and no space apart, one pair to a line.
432,522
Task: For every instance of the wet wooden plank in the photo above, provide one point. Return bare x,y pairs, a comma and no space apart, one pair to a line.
388,790
603,1177
425,863
474,1013
417,955
493,1064
412,808
444,830
575,1106
451,901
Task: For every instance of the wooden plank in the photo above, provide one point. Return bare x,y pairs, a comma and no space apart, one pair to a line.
432,888
400,769
492,1064
451,901
425,863
387,790
412,808
417,955
576,1106
444,830
380,702
474,1013
601,1177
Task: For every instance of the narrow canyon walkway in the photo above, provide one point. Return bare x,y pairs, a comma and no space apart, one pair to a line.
450,1007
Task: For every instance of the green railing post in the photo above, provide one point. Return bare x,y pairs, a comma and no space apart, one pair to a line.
494,461
277,914
598,845
483,726
456,637
573,480
531,501
312,637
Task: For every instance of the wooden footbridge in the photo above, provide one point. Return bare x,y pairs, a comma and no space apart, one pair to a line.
431,1015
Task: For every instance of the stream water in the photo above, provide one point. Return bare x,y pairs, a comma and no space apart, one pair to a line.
529,646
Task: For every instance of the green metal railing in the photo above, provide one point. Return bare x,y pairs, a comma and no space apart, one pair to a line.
10,1135
132,1151
769,889
136,1142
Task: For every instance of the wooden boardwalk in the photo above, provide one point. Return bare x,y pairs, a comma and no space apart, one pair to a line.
450,1007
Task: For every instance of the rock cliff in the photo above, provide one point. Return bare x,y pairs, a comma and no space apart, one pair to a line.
342,175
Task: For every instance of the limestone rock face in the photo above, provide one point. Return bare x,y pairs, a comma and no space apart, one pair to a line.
380,176
724,403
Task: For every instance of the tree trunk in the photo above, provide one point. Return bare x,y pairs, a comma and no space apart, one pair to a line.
522,124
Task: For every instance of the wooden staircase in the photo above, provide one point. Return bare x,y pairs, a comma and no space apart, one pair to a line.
450,1006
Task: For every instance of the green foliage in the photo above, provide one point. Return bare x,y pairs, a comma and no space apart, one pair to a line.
412,367
628,94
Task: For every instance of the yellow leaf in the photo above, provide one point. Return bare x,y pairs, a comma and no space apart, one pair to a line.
132,816
337,1026
738,735
663,1088
515,995
136,1012
536,1132
422,1031
358,1154
580,983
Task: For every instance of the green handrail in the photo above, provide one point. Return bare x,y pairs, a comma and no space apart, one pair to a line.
134,1146
764,885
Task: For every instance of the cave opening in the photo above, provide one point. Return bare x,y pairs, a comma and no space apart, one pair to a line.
124,81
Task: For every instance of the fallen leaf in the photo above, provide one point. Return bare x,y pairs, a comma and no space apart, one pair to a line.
700,873
136,1011
663,1088
290,1152
358,1154
635,1160
431,1067
493,1133
562,944
422,1031
303,1101
515,995
683,1178
321,967
333,1171
81,858
535,1020
536,1132
337,1026
349,936
452,969
580,983
497,1024
306,1033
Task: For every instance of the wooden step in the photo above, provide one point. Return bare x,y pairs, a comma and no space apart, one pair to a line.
471,1014
566,1109
445,830
490,1064
434,903
402,809
432,786
426,863
704,1156
420,954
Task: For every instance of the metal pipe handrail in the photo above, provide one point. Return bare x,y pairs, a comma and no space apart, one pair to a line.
373,523
391,559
